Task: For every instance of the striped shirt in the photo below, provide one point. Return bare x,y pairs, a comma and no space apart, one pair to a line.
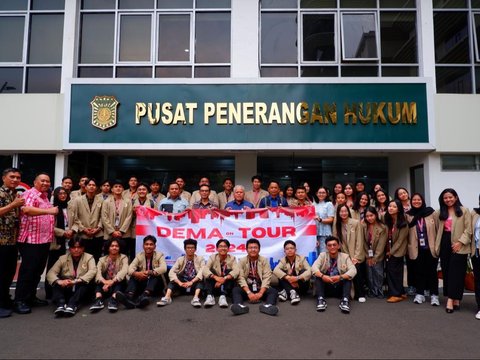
36,229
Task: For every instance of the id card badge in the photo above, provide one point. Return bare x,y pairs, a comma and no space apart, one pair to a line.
370,253
254,287
117,221
422,240
189,290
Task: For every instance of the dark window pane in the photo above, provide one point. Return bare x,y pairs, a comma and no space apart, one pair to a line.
398,37
458,162
212,72
400,71
349,71
12,29
32,164
319,37
136,4
453,80
175,4
11,80
6,161
98,4
173,72
439,4
95,72
48,4
278,4
451,38
134,72
13,4
319,71
322,4
135,37
401,4
46,26
476,19
358,4
43,80
476,4
212,40
278,72
97,38
279,38
477,79
211,4
359,36
174,37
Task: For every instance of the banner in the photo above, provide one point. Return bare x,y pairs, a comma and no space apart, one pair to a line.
270,226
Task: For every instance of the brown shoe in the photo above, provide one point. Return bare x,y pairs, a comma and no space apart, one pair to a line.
404,296
394,299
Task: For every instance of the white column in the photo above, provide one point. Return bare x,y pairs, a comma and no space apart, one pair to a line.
426,42
61,165
69,41
245,168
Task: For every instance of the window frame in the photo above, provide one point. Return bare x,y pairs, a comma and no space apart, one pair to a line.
377,35
335,37
476,36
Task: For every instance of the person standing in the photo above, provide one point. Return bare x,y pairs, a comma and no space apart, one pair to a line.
10,205
475,250
257,193
227,194
36,234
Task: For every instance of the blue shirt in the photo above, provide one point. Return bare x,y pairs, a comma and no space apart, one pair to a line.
269,201
178,205
234,205
324,210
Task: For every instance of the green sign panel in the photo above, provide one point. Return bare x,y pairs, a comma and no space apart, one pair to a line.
248,113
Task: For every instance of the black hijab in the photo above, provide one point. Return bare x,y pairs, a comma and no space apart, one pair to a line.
60,220
418,213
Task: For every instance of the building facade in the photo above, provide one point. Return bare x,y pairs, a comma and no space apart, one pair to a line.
320,90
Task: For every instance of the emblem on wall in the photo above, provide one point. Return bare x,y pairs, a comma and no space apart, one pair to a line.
104,112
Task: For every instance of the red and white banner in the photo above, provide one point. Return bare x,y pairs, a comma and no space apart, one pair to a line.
270,226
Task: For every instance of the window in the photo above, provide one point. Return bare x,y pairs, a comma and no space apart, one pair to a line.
460,162
331,38
162,38
31,64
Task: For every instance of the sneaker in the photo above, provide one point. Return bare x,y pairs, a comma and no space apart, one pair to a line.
5,312
434,300
164,301
70,311
294,298
321,304
344,306
209,301
411,291
362,299
143,301
196,302
269,309
419,299
239,309
282,295
126,300
222,301
59,311
477,316
112,305
97,305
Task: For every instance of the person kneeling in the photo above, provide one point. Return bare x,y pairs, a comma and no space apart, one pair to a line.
70,277
334,272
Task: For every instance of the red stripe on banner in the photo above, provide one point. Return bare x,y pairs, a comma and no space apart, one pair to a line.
141,230
310,230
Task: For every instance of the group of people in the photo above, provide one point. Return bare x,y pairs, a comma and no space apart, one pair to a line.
363,242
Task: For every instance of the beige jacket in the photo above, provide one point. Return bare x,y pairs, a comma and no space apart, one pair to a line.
399,242
63,269
431,225
263,268
84,217
213,266
213,197
179,267
379,240
354,244
250,196
223,199
461,231
160,196
301,264
140,263
121,264
108,218
344,264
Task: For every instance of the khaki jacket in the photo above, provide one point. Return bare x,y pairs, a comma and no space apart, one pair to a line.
223,199
354,243
475,218
140,263
121,264
100,196
179,267
84,217
399,242
63,269
213,197
186,195
344,264
157,201
431,225
108,218
461,231
263,268
379,240
213,266
250,196
301,264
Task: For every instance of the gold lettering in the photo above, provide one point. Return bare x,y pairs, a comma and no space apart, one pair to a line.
179,115
365,119
190,107
140,111
274,114
235,111
378,113
247,108
302,113
393,119
167,117
209,111
350,112
316,114
222,114
154,119
330,113
409,113
261,113
288,113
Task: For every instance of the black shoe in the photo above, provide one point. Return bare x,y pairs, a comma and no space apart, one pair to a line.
59,311
143,301
239,309
344,306
112,305
5,312
321,304
37,302
21,308
269,309
70,311
127,301
97,305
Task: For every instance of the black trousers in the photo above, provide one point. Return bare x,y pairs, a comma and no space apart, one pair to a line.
53,256
239,296
113,289
34,259
8,266
302,289
69,295
394,270
172,285
454,267
426,277
411,268
154,284
476,274
359,281
339,290
225,289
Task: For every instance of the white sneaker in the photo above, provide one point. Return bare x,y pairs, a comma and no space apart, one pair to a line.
477,316
222,301
196,302
362,299
434,301
164,301
209,301
294,298
419,299
282,295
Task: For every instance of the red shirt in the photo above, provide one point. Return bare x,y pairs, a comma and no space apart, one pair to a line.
36,229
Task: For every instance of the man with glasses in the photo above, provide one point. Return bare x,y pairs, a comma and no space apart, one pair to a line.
204,202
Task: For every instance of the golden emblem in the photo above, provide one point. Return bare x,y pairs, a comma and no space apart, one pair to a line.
104,112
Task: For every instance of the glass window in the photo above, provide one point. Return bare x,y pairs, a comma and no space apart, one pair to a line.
319,37
477,79
6,161
358,4
319,71
476,33
359,71
46,26
11,80
411,71
457,80
31,164
174,37
48,4
95,72
439,4
401,4
135,37
451,38
278,4
476,4
98,4
278,71
319,4
212,4
398,37
174,4
13,5
212,38
279,38
212,71
97,38
43,80
359,36
136,4
12,29
172,72
459,162
134,72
